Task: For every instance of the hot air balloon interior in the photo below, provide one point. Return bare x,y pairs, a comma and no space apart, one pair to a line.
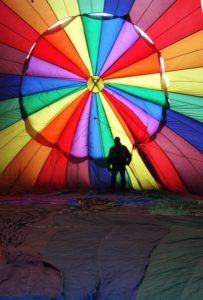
74,75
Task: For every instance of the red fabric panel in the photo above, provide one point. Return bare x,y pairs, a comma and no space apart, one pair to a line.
186,158
78,174
14,31
53,173
162,165
49,53
137,128
62,42
11,60
145,13
181,20
136,52
66,138
148,65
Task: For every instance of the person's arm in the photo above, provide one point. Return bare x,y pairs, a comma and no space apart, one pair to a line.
128,156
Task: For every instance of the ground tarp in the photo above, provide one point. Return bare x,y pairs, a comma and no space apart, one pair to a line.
100,246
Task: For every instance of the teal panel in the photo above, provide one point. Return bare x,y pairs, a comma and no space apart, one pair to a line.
92,29
190,106
9,112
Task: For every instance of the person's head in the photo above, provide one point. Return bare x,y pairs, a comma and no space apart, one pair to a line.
117,141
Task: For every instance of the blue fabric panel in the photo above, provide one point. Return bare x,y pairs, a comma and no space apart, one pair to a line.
32,85
103,256
109,33
189,129
9,86
124,7
153,109
94,144
118,7
110,6
99,175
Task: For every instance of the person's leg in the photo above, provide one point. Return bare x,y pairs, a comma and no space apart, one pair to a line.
123,181
114,172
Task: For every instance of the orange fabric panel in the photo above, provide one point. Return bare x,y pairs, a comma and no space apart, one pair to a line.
23,171
187,53
61,41
38,14
53,131
148,65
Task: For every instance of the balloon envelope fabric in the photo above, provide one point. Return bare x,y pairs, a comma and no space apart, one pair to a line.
84,72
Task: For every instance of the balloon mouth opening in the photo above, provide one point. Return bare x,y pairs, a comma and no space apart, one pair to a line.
95,84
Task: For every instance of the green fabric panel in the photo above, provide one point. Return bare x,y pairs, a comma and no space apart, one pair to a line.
9,112
107,140
91,6
92,28
85,6
190,106
175,270
34,103
147,94
97,6
105,131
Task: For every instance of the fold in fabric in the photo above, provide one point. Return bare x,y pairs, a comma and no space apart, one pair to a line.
103,256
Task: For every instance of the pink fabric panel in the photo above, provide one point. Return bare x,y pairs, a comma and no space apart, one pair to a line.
145,13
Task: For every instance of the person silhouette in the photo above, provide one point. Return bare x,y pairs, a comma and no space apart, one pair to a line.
117,159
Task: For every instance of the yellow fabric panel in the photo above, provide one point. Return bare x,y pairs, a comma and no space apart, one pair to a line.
151,81
186,81
37,13
64,8
76,34
13,139
115,125
137,166
25,167
187,53
133,179
142,174
40,119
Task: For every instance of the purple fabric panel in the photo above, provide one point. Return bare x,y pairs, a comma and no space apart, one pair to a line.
145,13
38,67
11,60
80,140
28,274
151,123
187,160
126,38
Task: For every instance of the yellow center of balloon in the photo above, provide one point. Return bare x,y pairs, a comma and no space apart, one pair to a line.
95,84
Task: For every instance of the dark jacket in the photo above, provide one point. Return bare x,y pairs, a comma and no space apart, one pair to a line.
119,156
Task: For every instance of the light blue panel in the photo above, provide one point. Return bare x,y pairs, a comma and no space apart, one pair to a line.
109,34
32,85
152,109
94,144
